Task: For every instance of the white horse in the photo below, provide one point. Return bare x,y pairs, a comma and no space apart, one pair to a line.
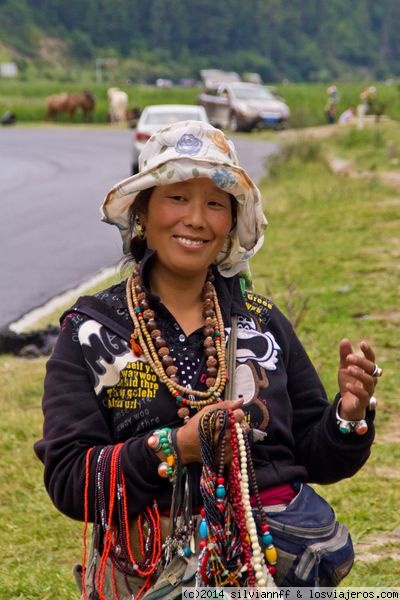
117,105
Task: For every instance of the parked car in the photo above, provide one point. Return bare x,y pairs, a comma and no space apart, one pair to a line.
159,115
241,106
163,83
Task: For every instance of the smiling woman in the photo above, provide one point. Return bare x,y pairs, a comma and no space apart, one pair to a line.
180,407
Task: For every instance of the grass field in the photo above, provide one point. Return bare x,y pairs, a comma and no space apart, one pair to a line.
331,262
306,101
375,148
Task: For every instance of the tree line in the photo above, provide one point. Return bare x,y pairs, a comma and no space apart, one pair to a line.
298,40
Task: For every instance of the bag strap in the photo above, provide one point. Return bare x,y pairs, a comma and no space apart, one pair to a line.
231,359
114,326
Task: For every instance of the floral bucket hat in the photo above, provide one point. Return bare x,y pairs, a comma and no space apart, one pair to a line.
186,150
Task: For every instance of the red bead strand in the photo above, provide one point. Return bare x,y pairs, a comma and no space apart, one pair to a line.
86,521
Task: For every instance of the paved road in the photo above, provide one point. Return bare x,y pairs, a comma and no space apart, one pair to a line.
52,182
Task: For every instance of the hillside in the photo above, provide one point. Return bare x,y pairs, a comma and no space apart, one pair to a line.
295,40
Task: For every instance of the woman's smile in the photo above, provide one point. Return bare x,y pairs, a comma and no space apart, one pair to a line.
191,243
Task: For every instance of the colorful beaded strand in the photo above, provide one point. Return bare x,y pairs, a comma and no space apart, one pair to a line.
86,521
117,538
262,574
225,553
153,346
237,502
108,535
270,552
175,388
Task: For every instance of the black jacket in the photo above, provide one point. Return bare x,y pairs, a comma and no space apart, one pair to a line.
98,393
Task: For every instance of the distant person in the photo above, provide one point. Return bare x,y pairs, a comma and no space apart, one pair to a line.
331,104
347,116
367,97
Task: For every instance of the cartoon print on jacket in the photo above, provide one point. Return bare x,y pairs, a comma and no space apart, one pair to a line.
105,354
257,352
124,383
127,380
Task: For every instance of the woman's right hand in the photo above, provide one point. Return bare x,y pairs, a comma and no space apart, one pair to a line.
187,436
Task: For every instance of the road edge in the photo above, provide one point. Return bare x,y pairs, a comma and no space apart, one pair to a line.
34,315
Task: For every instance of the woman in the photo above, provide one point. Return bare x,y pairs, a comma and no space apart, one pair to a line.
144,418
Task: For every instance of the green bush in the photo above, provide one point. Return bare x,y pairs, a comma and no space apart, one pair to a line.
304,151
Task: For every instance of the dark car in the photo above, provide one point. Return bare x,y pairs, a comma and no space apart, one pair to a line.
241,106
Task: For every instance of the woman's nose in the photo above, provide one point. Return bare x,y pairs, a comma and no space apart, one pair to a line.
194,216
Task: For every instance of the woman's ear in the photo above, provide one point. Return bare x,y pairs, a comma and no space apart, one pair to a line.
140,227
141,232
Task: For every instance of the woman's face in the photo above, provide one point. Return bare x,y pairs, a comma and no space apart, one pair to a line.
187,224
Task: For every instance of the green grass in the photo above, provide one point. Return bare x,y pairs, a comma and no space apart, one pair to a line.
306,101
342,255
374,148
28,99
331,243
38,545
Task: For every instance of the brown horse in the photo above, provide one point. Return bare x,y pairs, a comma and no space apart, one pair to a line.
70,103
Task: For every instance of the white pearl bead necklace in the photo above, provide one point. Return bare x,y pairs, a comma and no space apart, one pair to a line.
263,576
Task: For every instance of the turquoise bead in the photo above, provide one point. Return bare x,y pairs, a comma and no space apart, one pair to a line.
186,551
344,428
220,492
203,528
266,539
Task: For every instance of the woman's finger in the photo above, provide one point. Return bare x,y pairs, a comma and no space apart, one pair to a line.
363,377
361,362
368,351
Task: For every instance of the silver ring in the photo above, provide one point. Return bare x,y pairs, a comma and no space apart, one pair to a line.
377,371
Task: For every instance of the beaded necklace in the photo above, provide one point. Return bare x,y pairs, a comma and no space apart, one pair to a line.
147,339
114,524
230,552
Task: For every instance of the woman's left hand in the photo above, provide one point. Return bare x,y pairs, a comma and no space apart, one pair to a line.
356,383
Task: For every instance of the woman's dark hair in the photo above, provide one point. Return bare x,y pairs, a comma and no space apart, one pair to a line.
138,246
234,207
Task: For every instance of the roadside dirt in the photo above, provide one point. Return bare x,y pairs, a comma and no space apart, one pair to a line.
323,131
374,548
338,165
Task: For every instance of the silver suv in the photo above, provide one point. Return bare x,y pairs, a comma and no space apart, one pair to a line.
241,106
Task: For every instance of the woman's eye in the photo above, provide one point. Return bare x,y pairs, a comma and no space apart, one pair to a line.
217,203
177,197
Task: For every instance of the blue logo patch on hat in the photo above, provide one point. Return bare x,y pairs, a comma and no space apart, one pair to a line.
188,144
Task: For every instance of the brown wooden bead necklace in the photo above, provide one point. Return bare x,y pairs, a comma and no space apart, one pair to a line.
147,339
